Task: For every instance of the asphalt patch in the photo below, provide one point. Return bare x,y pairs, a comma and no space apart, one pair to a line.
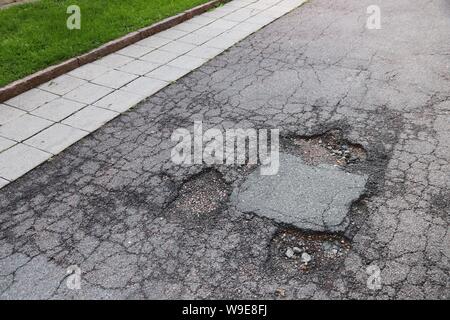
313,198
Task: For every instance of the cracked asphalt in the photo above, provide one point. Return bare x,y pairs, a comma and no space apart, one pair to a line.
139,226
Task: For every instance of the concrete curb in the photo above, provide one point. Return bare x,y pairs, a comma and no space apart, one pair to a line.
17,87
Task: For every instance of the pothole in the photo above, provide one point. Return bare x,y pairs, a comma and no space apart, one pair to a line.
291,248
318,199
202,194
328,148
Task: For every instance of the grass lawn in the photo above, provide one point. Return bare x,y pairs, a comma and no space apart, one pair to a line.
34,35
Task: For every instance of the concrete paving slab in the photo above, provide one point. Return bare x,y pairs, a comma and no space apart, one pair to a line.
23,127
88,93
221,42
119,101
31,99
56,138
172,34
197,38
241,14
202,20
90,118
89,71
8,113
187,62
3,182
245,26
168,73
135,51
204,52
178,47
222,24
113,60
153,42
159,56
139,67
58,109
219,12
62,84
260,19
6,143
19,159
187,27
145,86
114,79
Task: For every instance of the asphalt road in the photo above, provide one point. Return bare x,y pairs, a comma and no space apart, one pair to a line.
139,226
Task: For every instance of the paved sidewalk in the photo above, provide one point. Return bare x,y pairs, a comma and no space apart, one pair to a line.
138,226
44,121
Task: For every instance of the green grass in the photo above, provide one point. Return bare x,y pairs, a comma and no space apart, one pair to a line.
34,35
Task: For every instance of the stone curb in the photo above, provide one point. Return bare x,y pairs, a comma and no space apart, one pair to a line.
19,86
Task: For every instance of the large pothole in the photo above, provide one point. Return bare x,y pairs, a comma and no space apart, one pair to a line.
317,198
